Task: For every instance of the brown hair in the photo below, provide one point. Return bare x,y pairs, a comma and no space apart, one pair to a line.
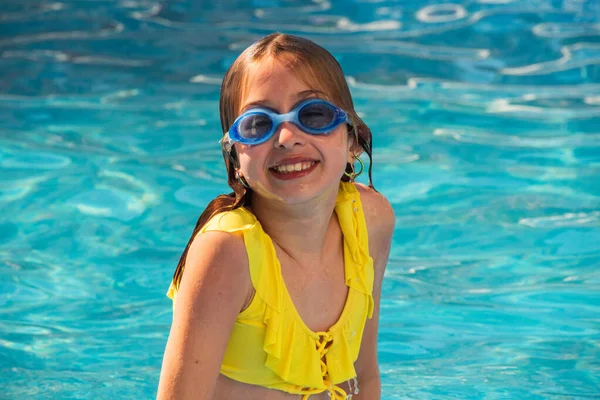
318,69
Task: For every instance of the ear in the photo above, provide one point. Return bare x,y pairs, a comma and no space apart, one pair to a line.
351,155
350,146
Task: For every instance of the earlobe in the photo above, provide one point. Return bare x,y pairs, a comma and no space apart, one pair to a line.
241,179
351,153
351,156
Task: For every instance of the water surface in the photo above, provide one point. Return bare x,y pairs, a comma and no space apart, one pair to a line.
486,119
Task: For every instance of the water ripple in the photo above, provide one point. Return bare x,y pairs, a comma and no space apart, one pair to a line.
33,160
578,55
32,11
416,50
501,139
566,31
112,29
564,220
437,13
60,56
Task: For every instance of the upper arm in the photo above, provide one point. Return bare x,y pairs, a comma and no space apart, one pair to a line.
380,220
213,289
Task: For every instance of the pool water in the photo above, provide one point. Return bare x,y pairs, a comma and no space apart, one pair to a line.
486,122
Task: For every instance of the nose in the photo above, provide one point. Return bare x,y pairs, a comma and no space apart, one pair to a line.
288,135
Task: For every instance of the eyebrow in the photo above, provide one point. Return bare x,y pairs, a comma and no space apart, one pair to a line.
300,96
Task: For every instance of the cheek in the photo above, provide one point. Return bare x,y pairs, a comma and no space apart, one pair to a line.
339,149
346,144
244,160
249,159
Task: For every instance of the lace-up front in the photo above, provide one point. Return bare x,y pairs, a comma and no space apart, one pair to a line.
270,345
323,343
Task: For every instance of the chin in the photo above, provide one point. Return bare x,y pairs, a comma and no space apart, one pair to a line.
300,193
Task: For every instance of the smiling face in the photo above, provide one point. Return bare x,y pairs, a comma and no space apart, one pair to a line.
292,166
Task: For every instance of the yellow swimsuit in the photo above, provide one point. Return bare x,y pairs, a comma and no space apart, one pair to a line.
270,345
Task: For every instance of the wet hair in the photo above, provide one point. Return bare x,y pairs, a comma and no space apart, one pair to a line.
316,67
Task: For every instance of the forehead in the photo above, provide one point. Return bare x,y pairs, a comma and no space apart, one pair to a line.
276,79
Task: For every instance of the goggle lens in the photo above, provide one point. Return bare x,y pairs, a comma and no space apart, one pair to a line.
316,116
255,126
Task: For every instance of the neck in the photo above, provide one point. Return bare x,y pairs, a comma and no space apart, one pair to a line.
300,230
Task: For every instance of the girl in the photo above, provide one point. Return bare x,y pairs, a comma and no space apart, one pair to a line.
276,295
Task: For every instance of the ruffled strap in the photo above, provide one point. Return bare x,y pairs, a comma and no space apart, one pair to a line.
360,273
285,340
261,266
292,351
262,261
232,221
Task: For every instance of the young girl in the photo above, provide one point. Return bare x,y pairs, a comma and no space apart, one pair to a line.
277,294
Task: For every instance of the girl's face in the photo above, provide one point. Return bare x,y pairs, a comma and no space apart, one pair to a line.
320,159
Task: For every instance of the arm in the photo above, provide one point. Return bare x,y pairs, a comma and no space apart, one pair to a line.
380,220
213,290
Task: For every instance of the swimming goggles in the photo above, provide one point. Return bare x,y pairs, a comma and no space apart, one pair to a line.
257,125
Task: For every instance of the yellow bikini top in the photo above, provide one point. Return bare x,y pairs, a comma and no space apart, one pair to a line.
270,345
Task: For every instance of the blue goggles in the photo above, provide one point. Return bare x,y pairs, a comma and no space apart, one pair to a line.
313,116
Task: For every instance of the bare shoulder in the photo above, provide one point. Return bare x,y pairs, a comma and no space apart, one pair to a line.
379,214
380,220
216,263
222,246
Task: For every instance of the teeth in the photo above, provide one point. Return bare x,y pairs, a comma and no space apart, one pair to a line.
294,167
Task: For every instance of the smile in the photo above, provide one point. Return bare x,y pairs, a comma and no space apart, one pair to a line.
302,166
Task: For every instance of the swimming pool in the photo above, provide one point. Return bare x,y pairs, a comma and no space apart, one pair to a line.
486,122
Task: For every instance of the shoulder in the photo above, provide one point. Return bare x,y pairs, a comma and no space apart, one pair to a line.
216,263
379,214
237,220
216,245
380,221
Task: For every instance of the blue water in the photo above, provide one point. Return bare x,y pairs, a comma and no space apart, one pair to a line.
486,121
